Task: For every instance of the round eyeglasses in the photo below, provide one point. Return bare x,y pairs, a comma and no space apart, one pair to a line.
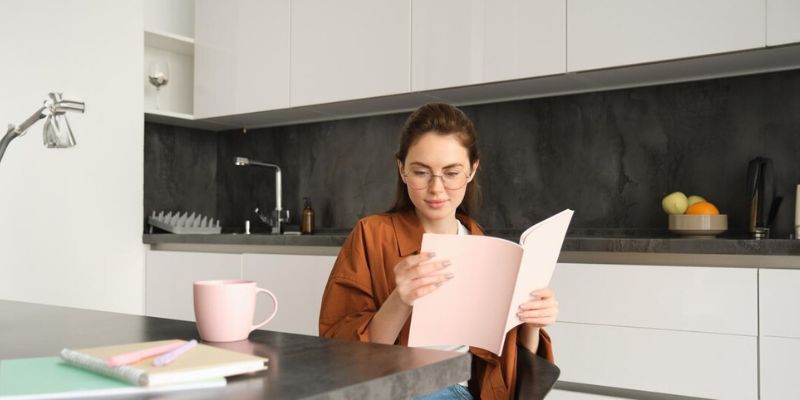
452,180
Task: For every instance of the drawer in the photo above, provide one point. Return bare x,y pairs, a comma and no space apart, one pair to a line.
681,363
779,368
700,299
779,293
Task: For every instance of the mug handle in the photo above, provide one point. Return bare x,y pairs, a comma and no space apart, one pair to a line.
275,311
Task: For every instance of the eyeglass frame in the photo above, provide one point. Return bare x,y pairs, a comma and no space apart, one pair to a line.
441,176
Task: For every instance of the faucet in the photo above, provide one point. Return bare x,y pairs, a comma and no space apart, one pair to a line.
278,214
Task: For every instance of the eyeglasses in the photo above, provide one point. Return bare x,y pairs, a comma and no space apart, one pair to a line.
452,180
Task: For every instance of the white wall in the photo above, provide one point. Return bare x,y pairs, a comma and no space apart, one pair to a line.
71,219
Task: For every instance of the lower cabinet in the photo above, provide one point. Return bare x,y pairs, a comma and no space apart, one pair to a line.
297,282
779,305
680,331
169,276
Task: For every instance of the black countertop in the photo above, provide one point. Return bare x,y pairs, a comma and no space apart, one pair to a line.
578,240
300,367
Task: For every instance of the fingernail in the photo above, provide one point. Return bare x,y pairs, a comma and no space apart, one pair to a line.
446,263
431,254
449,276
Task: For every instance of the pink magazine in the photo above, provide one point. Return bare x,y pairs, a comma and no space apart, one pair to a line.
493,277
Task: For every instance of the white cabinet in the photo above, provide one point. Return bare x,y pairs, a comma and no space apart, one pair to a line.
168,38
169,276
611,33
699,299
457,43
783,22
297,281
664,361
690,331
779,368
242,56
779,302
349,49
779,306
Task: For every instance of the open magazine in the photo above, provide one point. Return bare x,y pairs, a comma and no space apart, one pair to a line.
492,277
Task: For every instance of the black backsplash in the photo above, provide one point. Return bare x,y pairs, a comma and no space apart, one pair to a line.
609,155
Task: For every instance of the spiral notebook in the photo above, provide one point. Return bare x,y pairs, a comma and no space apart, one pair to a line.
200,363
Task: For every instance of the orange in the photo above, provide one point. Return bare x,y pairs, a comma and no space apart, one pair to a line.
702,207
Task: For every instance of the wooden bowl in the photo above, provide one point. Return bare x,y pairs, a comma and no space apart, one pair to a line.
698,226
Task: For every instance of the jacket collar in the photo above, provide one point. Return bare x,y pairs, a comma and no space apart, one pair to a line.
408,230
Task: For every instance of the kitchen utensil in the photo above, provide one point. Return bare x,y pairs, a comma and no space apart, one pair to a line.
764,202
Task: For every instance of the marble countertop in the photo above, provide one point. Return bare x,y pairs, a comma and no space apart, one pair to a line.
578,240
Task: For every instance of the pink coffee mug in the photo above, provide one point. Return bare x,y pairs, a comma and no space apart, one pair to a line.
224,309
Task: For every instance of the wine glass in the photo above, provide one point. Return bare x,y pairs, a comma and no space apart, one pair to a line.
159,76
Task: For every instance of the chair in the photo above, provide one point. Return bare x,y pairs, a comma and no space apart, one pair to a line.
535,375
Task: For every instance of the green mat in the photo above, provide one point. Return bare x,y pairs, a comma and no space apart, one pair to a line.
50,377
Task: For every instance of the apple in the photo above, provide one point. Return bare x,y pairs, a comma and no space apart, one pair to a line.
695,199
675,203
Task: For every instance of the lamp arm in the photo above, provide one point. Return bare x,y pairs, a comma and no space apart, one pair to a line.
10,135
16,131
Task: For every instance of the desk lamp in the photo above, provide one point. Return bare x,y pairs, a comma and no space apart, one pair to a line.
57,133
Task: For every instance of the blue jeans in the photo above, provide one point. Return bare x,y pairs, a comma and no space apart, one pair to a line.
454,392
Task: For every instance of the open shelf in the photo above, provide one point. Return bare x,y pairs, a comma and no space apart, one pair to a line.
169,41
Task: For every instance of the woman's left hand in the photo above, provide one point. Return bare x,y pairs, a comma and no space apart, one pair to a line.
541,310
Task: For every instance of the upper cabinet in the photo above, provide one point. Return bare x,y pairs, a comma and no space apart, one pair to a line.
783,22
611,33
457,42
349,49
242,56
168,55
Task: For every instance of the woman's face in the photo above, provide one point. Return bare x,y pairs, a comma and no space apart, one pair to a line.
438,155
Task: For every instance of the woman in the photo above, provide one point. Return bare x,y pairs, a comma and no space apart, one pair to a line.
379,272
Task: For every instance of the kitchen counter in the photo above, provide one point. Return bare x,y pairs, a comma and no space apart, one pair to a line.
579,240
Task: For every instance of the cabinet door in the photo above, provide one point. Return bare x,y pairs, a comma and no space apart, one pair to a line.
779,368
349,49
700,299
675,362
779,302
169,276
611,33
241,56
297,282
783,22
456,42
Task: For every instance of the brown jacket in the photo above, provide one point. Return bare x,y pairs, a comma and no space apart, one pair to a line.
363,278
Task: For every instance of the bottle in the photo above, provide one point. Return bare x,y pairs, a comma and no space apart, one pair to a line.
307,224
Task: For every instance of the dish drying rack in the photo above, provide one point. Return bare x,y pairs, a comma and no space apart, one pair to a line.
183,223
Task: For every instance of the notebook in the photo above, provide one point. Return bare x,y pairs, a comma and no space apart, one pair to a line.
52,378
200,363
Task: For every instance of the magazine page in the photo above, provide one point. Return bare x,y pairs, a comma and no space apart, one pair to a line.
470,309
542,245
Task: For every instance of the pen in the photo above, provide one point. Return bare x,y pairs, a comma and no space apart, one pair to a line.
167,358
134,356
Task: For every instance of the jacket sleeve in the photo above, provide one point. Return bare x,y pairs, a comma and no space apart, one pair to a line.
348,303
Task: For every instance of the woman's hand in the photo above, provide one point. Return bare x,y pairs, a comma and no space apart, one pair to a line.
417,276
541,310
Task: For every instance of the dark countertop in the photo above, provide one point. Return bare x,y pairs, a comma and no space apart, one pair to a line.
578,240
300,367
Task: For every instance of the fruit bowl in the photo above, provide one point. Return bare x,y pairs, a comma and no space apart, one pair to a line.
698,225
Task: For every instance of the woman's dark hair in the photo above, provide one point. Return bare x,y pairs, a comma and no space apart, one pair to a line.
440,119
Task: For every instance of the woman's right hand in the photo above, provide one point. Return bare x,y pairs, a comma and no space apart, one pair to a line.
417,276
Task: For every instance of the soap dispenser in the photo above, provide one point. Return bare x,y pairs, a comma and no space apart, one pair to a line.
307,224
